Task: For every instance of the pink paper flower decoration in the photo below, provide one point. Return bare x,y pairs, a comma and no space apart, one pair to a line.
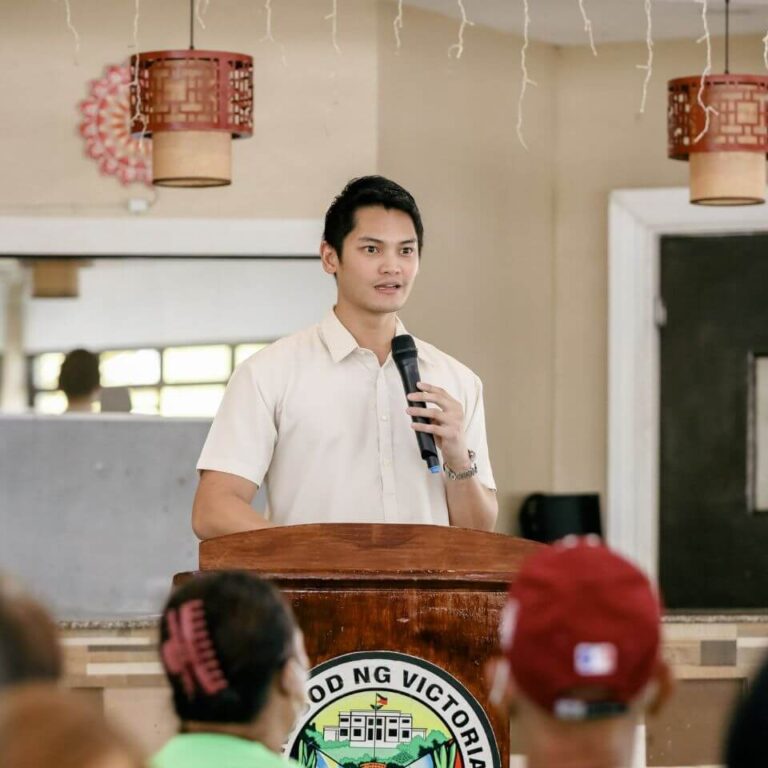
105,128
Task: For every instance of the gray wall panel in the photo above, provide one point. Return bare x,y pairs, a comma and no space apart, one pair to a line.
95,510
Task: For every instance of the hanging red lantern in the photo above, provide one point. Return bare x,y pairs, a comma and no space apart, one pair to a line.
191,104
728,156
719,123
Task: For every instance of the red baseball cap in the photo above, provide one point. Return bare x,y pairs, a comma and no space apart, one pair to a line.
581,620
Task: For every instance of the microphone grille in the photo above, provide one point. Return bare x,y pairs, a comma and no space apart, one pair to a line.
403,346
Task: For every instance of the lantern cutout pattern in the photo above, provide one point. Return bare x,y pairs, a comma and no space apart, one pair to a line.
191,103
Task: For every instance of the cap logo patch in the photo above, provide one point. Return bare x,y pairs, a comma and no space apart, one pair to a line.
595,659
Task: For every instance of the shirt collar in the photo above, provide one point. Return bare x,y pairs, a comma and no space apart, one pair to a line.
340,342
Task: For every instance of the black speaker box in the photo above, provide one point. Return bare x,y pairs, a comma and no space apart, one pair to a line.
548,517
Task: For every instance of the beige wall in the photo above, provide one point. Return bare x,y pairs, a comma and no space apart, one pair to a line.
514,276
515,272
315,117
447,131
604,144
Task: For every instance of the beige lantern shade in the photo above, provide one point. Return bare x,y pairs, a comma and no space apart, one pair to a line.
727,146
191,159
192,104
727,178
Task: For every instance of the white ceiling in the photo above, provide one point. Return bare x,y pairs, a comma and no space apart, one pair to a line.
560,21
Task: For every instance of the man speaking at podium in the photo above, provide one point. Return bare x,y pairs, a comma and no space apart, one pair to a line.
321,416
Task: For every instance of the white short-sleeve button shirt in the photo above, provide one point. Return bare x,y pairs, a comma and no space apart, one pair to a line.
316,418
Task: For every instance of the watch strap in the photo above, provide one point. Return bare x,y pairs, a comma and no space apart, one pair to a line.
464,474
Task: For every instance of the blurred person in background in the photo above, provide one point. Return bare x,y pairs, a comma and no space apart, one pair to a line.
80,380
746,743
581,665
29,646
43,726
237,667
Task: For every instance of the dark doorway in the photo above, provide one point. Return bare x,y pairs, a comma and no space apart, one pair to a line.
713,544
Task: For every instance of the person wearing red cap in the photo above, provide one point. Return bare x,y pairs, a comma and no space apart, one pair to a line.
581,642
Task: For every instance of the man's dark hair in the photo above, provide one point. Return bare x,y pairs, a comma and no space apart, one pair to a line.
246,632
361,193
79,374
29,643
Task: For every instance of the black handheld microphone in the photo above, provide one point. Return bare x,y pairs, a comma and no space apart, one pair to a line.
404,354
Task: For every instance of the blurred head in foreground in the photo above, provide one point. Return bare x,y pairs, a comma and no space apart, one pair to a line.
235,658
581,640
42,725
29,648
746,745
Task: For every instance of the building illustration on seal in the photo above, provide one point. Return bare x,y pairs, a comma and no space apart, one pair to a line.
372,738
385,728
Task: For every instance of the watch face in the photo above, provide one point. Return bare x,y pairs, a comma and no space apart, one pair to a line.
471,472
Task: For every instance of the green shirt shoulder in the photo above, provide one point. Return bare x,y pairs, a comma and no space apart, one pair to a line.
217,750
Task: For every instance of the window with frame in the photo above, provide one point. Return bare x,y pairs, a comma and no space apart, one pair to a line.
180,380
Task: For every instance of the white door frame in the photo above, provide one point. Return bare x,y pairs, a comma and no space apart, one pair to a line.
637,219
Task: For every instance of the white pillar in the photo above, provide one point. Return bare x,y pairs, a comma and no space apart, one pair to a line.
13,387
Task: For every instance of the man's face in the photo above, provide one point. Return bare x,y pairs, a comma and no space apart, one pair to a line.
380,261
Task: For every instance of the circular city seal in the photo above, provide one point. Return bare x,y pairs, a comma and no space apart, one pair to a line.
380,709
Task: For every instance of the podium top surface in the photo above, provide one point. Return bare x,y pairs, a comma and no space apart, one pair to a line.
370,552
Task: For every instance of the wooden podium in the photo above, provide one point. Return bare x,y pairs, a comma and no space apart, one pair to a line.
432,592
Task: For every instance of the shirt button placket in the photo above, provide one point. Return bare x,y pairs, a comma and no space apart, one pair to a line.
386,466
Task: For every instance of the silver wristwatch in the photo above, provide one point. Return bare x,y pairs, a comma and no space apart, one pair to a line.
471,472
